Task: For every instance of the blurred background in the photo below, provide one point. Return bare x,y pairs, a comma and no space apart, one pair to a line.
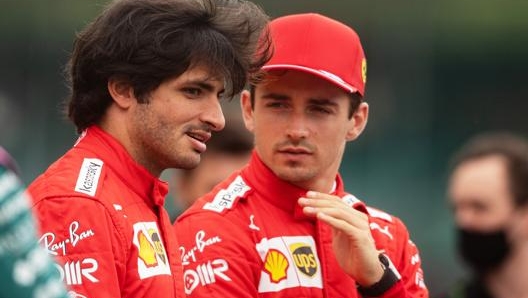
438,72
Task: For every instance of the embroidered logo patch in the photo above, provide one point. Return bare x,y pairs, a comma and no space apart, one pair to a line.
89,176
288,262
304,258
152,257
225,198
276,265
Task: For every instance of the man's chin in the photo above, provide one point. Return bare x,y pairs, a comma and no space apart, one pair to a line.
188,163
293,174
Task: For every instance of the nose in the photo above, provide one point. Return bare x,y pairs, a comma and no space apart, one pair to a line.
297,128
213,116
466,218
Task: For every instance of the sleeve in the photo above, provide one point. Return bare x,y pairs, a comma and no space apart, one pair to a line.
218,256
26,269
406,258
89,250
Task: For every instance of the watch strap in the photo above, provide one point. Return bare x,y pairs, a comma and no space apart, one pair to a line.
389,278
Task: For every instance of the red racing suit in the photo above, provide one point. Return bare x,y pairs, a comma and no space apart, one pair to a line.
101,215
248,237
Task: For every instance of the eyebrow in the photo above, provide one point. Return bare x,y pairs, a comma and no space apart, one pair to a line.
203,83
316,101
275,96
322,102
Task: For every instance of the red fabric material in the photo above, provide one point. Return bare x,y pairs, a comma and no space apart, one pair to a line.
252,219
101,215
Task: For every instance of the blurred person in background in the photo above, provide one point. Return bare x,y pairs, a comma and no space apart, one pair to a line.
284,226
488,193
147,79
26,269
227,151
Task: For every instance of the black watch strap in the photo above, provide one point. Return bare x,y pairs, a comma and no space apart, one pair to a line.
389,278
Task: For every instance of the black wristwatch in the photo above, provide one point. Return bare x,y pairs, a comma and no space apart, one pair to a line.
389,278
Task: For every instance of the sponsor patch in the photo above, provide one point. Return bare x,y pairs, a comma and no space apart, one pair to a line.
79,271
415,259
379,214
89,176
152,257
304,258
275,265
252,224
419,279
350,200
188,256
205,274
288,262
384,230
56,246
225,198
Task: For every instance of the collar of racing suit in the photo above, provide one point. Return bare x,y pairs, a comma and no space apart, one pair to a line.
115,156
284,194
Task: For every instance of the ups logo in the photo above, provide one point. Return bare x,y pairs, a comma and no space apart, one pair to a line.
304,258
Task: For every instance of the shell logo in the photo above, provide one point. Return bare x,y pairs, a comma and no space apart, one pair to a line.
147,252
276,265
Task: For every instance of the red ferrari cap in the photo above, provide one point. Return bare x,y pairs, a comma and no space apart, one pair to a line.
321,46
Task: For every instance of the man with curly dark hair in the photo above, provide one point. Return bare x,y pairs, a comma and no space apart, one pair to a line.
147,79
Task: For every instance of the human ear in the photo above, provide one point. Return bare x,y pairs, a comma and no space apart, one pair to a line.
247,109
121,91
358,122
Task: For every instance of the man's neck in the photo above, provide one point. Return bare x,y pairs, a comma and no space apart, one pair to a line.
509,281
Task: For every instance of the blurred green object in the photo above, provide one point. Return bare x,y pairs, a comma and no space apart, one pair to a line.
26,268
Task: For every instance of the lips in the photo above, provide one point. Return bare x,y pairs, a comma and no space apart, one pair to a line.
200,136
198,139
294,150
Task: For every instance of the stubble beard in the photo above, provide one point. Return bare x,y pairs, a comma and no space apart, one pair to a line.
295,173
186,162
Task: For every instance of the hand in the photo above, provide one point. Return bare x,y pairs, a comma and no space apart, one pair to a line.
352,242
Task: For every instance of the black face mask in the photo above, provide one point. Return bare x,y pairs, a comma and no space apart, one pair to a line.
483,251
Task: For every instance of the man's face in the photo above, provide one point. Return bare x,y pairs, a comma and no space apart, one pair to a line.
171,130
479,194
301,126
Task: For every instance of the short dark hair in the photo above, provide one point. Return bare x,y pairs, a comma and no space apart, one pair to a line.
149,41
512,147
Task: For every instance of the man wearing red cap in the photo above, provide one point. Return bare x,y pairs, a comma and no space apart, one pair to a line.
284,226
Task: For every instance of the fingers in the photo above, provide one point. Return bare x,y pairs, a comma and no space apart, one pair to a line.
323,205
352,241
